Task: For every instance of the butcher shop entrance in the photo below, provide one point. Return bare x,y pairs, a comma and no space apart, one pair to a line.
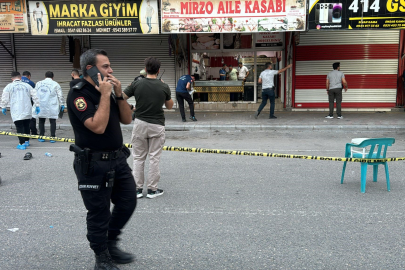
227,66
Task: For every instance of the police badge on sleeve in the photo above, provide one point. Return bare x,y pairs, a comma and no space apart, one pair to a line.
81,104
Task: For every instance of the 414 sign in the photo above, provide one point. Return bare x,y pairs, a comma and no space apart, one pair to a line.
375,8
364,6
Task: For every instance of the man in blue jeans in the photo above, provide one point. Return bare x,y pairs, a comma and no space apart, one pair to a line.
267,80
148,16
38,13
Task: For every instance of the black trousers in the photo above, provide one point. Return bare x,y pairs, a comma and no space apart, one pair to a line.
23,126
102,224
33,126
335,94
180,99
42,127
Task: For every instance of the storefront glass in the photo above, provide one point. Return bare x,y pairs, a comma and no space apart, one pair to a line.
208,65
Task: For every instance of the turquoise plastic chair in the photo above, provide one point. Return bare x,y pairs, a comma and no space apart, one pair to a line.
369,148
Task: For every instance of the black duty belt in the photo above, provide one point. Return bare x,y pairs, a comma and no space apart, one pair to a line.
96,156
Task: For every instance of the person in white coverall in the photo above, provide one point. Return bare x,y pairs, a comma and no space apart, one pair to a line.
51,102
19,95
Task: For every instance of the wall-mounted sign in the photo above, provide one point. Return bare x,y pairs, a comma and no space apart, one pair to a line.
185,16
356,14
269,39
13,16
94,17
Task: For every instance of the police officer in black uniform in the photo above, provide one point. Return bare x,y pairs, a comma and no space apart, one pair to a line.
100,161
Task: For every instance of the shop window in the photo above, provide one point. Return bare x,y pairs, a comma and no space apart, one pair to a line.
205,41
237,41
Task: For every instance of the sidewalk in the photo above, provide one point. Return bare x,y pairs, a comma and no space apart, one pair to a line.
246,121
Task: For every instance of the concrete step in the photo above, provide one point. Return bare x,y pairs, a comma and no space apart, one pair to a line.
236,106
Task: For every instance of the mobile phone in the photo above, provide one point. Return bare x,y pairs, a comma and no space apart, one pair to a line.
321,13
337,13
92,72
330,13
325,13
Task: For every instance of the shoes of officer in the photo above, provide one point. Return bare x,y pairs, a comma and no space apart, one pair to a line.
104,262
118,255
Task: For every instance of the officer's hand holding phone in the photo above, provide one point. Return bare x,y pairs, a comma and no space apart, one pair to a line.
104,86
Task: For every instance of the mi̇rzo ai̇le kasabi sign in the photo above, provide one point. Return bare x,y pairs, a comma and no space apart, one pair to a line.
233,16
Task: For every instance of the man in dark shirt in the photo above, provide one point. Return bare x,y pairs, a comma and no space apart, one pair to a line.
26,77
182,93
75,77
100,162
222,73
148,135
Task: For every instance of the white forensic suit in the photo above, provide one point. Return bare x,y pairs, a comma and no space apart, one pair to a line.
18,94
51,99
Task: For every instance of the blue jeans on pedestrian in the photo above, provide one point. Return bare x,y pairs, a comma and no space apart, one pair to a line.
149,22
39,20
268,93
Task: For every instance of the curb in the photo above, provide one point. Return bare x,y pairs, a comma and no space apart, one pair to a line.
201,127
281,127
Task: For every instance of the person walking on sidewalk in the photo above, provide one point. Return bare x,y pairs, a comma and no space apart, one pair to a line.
51,101
19,95
26,77
334,82
182,93
100,164
148,134
266,78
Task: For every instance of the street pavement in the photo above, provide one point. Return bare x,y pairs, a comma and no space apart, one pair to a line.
219,211
286,120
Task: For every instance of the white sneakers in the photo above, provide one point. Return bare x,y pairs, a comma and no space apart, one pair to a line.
331,117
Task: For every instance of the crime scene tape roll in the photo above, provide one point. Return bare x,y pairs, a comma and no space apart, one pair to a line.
225,152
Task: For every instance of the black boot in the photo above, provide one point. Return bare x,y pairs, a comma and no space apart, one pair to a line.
104,261
118,255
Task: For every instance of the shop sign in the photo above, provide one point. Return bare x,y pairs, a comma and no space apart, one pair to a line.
232,16
269,40
357,14
94,17
13,16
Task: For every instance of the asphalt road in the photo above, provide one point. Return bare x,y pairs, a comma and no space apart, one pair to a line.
218,211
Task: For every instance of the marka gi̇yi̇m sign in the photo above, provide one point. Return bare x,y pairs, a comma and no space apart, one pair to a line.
356,14
93,17
232,16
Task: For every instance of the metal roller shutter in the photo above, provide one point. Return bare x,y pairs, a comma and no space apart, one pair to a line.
368,58
39,54
6,61
349,37
127,55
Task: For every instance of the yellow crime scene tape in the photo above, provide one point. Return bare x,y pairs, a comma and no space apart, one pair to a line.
224,152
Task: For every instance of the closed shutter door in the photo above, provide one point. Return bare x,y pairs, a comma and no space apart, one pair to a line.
6,60
369,60
127,56
39,54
